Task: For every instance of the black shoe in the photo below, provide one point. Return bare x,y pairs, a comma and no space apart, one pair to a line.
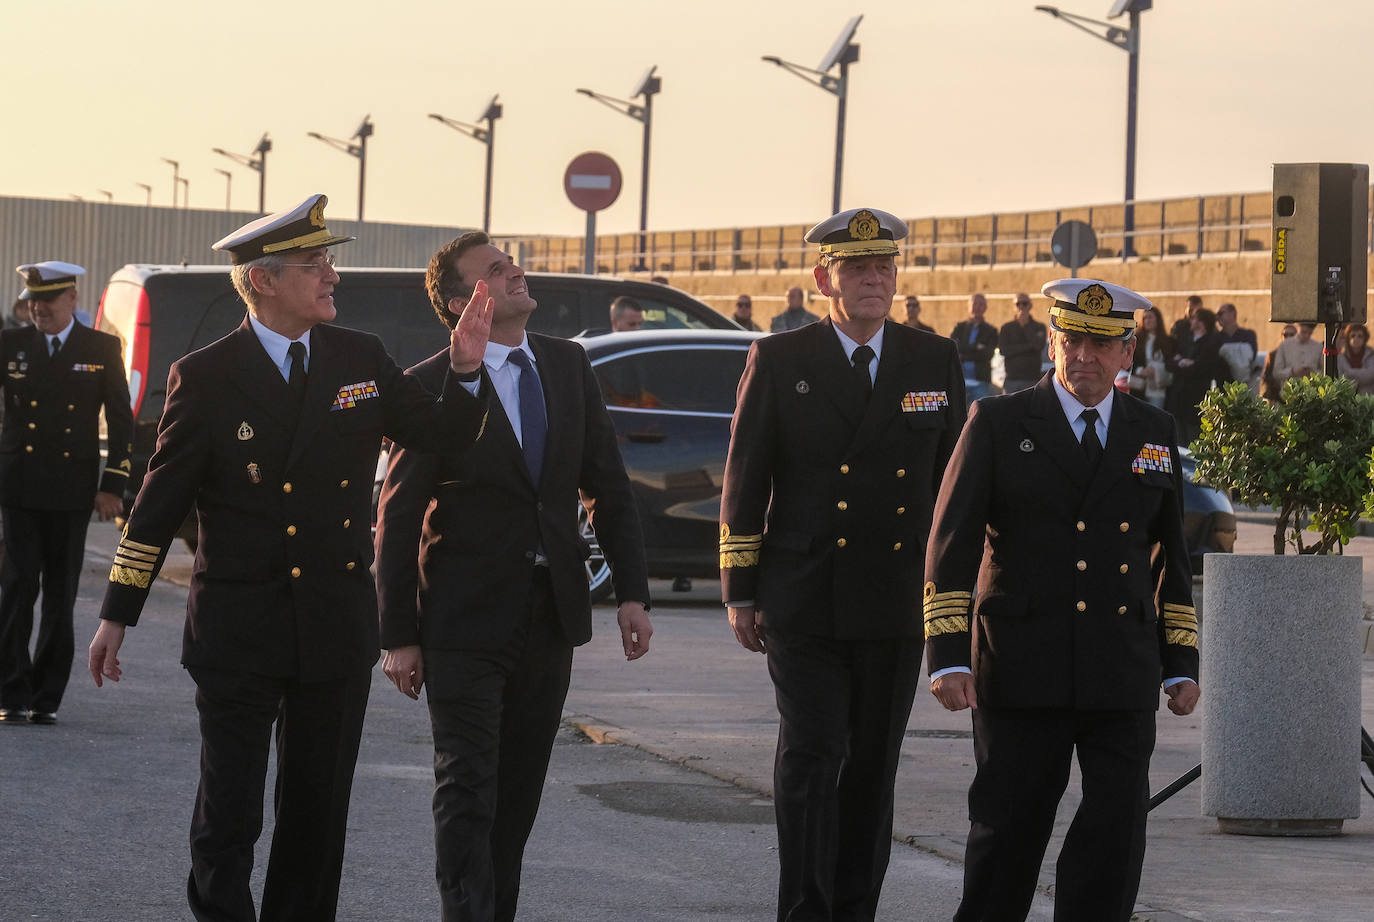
13,715
46,718
682,584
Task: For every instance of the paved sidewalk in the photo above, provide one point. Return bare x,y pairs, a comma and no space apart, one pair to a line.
701,700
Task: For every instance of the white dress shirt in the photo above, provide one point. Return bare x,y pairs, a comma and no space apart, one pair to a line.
277,346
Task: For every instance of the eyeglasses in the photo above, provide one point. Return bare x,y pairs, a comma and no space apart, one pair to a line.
319,265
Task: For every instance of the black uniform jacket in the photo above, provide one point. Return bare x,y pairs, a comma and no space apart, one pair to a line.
1066,610
458,531
280,584
827,500
50,442
969,352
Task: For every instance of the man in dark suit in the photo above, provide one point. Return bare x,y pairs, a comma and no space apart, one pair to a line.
1041,585
484,594
58,376
838,445
976,340
272,433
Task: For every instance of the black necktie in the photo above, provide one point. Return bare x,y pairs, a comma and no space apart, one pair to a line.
534,423
861,358
56,344
297,380
1092,445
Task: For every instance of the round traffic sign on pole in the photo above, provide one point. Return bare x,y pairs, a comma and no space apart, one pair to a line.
1074,245
592,181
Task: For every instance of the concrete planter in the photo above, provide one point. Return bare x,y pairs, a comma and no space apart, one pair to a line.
1281,693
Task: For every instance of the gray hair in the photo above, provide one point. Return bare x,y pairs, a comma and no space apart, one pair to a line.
272,264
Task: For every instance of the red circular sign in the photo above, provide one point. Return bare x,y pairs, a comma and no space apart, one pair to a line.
592,181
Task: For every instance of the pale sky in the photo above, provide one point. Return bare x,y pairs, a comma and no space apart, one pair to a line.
955,107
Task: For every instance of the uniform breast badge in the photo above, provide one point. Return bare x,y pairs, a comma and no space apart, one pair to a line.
1153,457
245,431
924,401
1027,445
254,473
803,387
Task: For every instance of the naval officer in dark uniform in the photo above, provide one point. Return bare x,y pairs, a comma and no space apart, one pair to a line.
59,375
1041,585
272,433
839,442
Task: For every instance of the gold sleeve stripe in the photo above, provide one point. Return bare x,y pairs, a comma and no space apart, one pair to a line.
1181,638
947,608
731,559
135,555
127,577
952,625
115,470
1188,621
121,560
1179,609
126,544
945,596
742,546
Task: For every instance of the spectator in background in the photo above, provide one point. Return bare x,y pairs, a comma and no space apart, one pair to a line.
796,316
659,279
1239,346
1297,357
1269,388
1150,375
744,313
1355,361
1182,330
976,339
1021,341
19,314
913,315
626,315
1196,365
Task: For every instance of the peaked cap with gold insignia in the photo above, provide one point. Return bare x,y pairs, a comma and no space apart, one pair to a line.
46,280
1093,308
300,228
858,232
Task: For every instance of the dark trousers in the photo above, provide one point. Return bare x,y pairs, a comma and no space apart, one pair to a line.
495,714
43,548
1023,768
843,705
318,728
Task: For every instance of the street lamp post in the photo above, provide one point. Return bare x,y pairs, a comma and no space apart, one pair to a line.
647,87
258,165
148,190
358,150
109,196
176,178
228,188
487,136
1127,40
842,53
185,191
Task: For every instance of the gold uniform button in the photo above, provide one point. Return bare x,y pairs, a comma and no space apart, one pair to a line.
897,546
35,426
290,529
295,572
67,431
286,487
1125,526
350,565
901,510
844,468
901,472
33,403
347,522
1082,526
842,505
343,484
1121,610
840,542
1082,565
1125,567
71,406
66,454
28,448
1082,606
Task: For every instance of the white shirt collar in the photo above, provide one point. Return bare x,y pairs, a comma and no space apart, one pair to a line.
849,345
1073,408
497,354
277,345
61,334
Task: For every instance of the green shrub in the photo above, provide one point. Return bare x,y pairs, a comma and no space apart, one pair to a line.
1312,454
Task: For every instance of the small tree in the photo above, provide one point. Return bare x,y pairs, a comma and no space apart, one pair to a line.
1309,455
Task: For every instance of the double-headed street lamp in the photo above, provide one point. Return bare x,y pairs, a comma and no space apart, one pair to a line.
842,53
176,178
647,87
1127,40
358,150
258,164
490,113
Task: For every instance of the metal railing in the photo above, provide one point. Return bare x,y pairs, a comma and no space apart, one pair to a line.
1182,228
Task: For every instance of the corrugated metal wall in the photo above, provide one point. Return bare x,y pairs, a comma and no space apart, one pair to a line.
102,238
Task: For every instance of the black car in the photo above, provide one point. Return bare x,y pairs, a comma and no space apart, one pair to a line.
160,313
